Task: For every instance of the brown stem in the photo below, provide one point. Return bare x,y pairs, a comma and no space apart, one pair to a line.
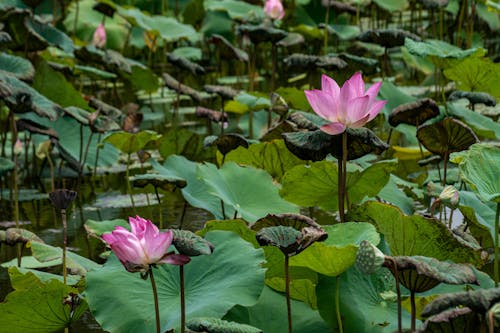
413,311
65,241
155,295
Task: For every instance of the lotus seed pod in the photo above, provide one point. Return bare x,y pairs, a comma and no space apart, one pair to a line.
369,258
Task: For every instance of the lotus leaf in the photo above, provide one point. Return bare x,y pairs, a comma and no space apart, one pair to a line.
214,325
49,34
97,228
387,37
226,143
482,125
130,143
414,113
35,306
477,167
16,66
123,201
478,300
463,318
235,9
205,279
190,244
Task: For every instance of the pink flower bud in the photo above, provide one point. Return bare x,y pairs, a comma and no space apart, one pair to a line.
274,9
18,147
99,39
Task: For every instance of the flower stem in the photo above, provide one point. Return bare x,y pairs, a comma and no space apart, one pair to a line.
394,269
344,176
129,187
155,295
65,242
183,301
495,263
287,292
413,311
337,305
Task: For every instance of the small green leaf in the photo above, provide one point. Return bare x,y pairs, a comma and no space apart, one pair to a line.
130,143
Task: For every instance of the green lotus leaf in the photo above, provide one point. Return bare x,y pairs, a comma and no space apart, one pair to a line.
446,136
190,244
473,97
205,279
249,191
6,165
53,85
94,73
269,314
316,184
224,47
77,264
360,291
476,74
214,325
262,33
30,262
478,300
392,6
51,35
97,228
130,143
35,306
25,194
271,156
394,192
477,167
480,217
442,54
31,265
169,28
197,192
235,9
482,125
237,226
296,221
13,236
22,98
188,52
16,66
413,235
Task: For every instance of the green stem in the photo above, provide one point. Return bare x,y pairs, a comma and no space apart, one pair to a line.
337,305
340,193
495,263
344,173
65,241
413,311
394,268
183,301
287,292
129,187
159,205
155,295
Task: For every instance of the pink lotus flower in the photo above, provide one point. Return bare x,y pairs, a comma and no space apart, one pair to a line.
99,38
274,9
144,246
347,107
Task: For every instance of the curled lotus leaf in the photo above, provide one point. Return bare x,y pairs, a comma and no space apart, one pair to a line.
228,50
190,244
46,33
369,258
262,33
387,37
14,236
278,104
180,88
215,325
35,128
480,301
292,39
167,183
419,273
17,66
224,92
287,239
494,315
473,97
185,64
226,142
97,121
307,61
448,320
107,8
367,65
446,136
295,221
316,145
213,115
339,6
414,113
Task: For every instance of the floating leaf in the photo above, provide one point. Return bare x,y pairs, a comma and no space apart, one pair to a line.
446,136
205,278
123,201
166,183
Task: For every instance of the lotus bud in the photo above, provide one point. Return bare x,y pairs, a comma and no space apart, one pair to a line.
450,197
99,38
43,149
274,9
369,258
18,147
